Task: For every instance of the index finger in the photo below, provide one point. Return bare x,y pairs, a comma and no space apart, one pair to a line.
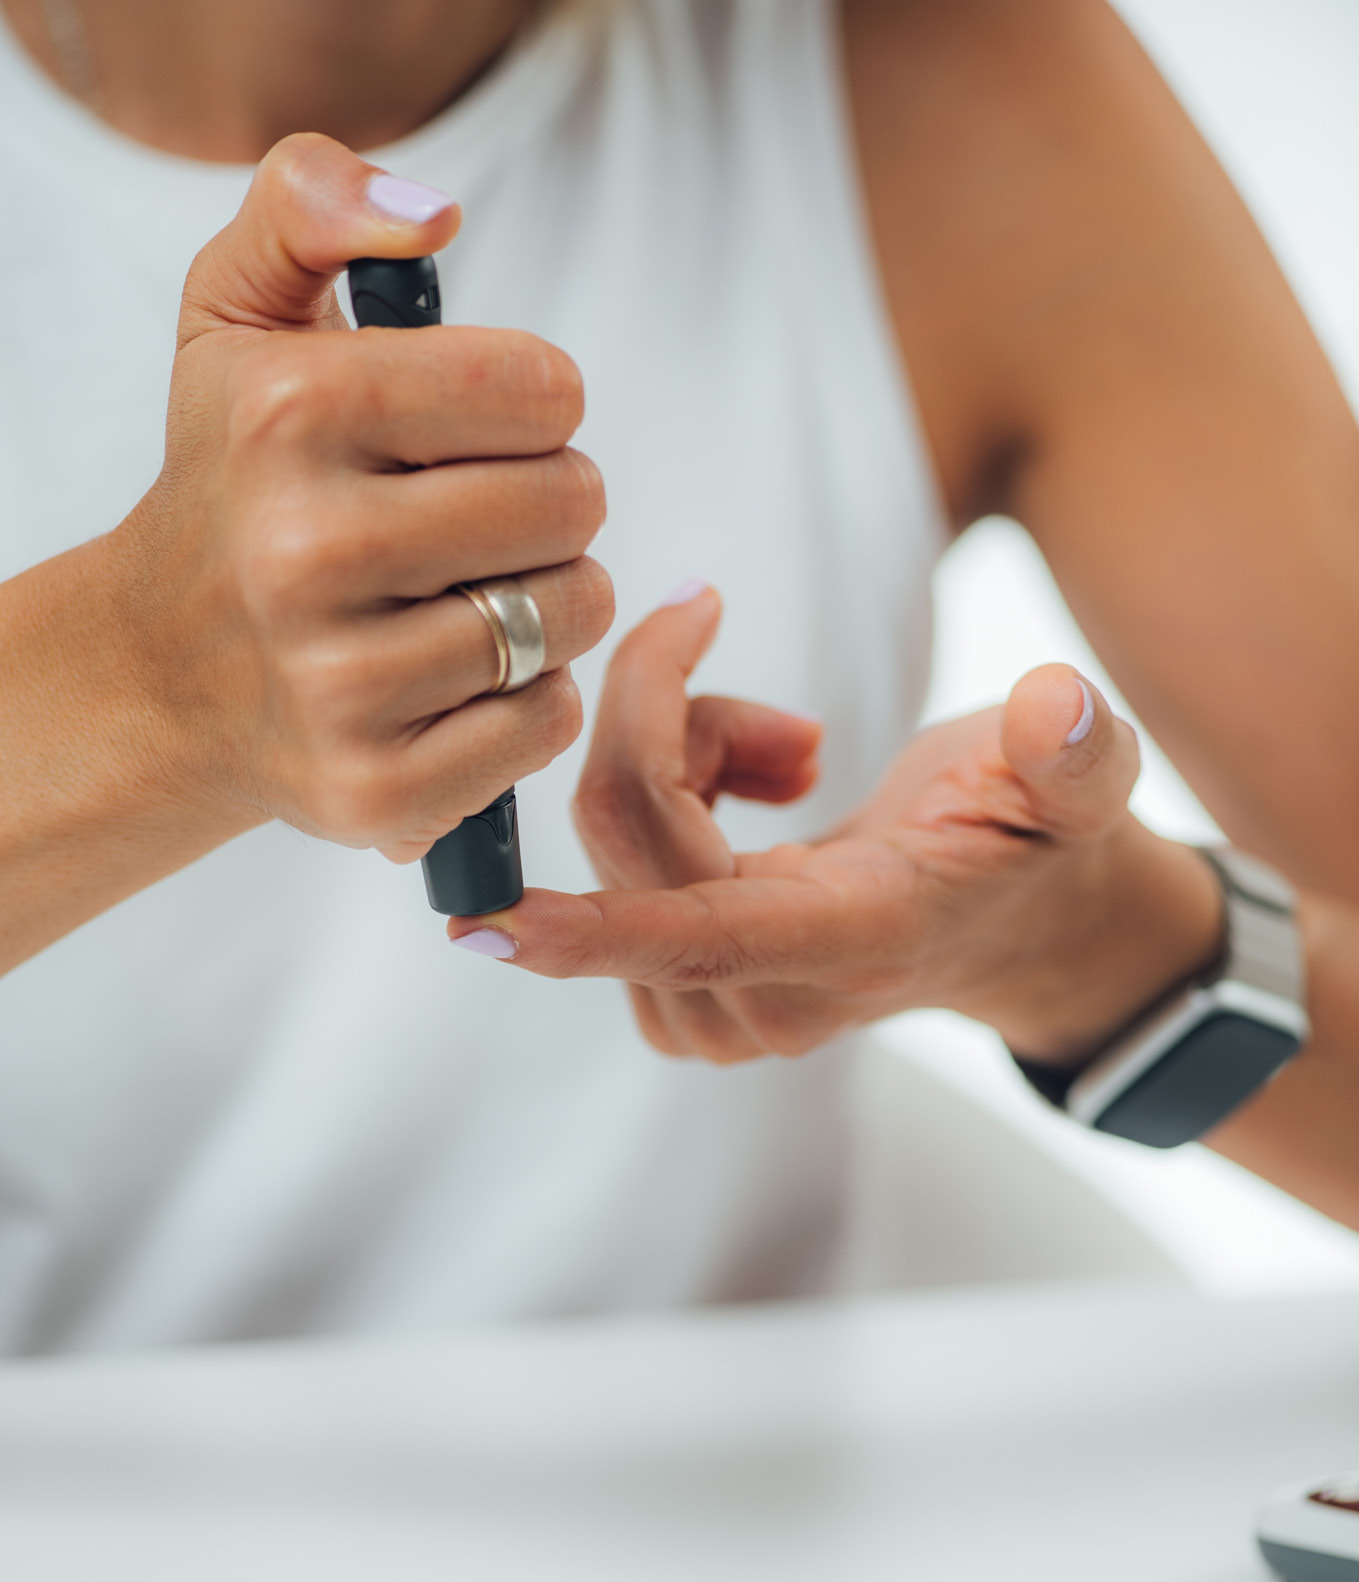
449,392
386,401
723,933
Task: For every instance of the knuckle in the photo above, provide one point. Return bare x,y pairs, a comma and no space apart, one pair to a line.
284,163
566,716
559,388
227,269
718,956
356,801
706,968
276,393
281,566
585,484
289,178
597,593
589,602
557,716
610,810
328,681
540,379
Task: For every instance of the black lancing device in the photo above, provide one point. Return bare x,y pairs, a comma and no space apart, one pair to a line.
476,867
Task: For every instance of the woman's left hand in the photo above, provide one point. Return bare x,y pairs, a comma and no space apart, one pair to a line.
996,871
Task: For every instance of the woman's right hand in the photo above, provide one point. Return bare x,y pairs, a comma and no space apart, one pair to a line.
286,576
268,634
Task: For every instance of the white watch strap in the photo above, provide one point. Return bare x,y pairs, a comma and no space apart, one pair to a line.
1263,948
1260,977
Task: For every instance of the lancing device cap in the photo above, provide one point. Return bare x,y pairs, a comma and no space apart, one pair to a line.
475,868
399,293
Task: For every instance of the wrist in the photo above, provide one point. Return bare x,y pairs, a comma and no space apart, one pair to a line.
154,736
96,800
1145,917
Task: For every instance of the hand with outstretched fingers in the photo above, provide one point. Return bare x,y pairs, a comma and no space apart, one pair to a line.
995,870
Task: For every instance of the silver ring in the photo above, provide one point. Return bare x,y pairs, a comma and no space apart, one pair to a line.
516,626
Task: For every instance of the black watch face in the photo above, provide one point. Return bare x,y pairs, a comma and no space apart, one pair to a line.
1220,1063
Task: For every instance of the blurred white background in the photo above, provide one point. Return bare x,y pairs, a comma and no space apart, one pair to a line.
1274,85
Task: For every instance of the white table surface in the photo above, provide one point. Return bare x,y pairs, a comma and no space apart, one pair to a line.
1082,1432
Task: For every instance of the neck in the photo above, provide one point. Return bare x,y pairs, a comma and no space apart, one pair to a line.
225,79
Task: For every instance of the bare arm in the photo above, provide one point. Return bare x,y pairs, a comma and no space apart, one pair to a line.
1302,1131
1103,347
95,800
268,634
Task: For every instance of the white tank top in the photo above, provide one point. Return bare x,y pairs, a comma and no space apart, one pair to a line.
265,1096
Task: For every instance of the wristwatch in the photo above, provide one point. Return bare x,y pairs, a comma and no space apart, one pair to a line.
1187,1062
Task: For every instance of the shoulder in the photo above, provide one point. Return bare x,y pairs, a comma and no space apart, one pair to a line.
997,80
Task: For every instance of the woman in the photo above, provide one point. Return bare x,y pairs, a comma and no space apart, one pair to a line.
254,1097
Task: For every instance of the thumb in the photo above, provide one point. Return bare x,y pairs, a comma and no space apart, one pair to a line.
1075,761
311,207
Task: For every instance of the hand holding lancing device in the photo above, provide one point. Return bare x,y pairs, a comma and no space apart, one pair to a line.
996,870
282,588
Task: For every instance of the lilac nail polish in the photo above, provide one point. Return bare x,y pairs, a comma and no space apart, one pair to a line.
408,201
685,592
489,942
1081,729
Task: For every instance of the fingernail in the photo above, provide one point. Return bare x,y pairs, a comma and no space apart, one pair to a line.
410,201
489,942
811,719
685,592
1081,729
